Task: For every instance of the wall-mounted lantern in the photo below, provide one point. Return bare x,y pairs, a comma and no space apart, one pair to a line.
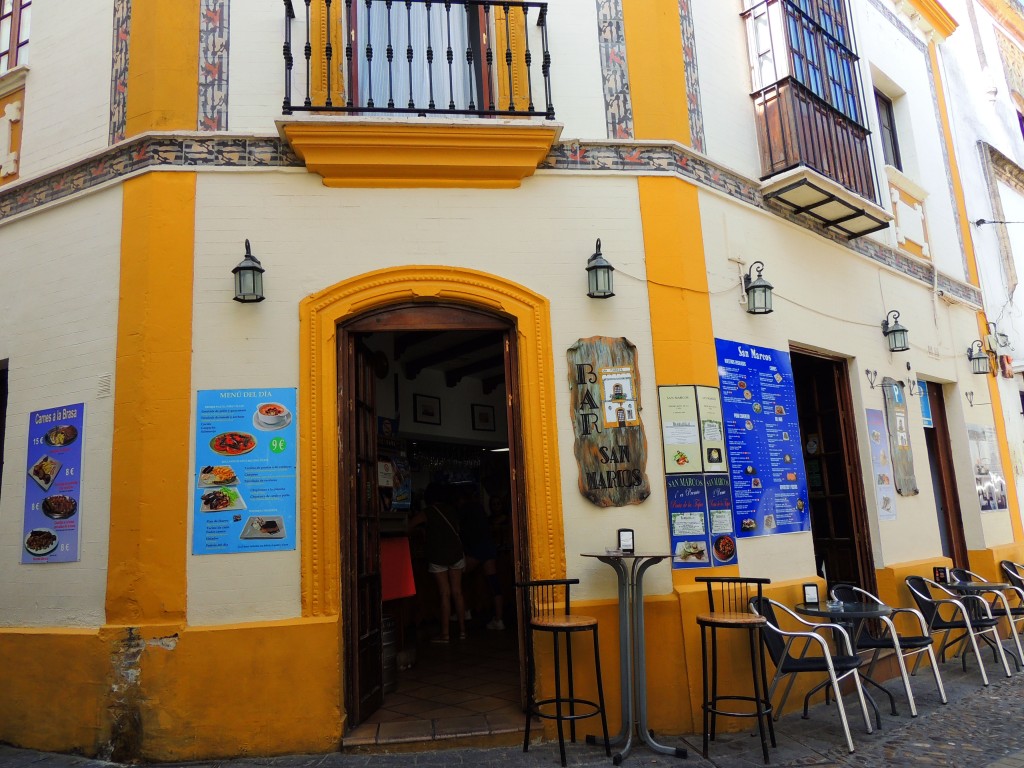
895,333
759,291
599,276
249,278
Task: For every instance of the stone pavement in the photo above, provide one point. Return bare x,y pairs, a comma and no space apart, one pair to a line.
979,728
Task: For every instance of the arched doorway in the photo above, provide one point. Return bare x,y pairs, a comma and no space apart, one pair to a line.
323,320
409,374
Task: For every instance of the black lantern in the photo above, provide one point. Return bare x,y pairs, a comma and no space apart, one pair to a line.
249,278
759,291
599,276
895,333
980,363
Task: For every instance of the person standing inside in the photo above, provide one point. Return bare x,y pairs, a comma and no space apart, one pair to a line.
445,556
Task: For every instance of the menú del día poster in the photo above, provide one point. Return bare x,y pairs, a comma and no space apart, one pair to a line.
245,471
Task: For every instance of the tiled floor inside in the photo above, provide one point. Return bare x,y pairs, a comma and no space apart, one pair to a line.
465,688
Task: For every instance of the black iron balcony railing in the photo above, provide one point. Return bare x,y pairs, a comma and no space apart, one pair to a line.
794,128
418,57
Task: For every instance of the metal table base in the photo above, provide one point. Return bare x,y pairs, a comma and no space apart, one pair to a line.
633,665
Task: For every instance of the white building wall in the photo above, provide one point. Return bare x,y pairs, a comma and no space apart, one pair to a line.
309,237
67,93
256,69
724,69
983,112
59,277
831,300
895,64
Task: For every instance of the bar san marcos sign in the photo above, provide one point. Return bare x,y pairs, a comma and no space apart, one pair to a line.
610,446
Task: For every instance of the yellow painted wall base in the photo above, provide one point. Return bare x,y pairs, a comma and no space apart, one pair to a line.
165,693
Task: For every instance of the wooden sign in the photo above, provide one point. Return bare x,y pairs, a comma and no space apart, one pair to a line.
610,446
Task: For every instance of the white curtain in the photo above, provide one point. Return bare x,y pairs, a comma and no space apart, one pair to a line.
415,26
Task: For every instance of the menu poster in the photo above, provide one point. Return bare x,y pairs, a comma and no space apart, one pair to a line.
680,429
245,471
53,485
988,469
926,404
712,434
762,433
897,420
700,519
691,428
881,465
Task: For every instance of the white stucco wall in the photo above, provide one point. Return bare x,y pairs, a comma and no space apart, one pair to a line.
67,93
256,70
310,237
832,300
58,300
894,61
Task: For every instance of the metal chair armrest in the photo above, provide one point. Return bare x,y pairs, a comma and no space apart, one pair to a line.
914,612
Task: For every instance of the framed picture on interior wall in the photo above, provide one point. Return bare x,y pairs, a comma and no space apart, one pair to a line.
483,417
426,409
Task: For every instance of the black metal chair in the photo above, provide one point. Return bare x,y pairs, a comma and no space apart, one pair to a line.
888,638
779,643
546,608
969,613
1000,605
732,612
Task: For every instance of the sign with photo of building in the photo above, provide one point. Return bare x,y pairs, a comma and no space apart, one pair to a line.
610,445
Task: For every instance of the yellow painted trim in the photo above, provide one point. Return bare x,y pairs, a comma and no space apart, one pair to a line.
163,62
1002,440
426,154
14,97
657,77
1007,16
513,38
319,315
146,578
682,335
937,17
1005,456
321,27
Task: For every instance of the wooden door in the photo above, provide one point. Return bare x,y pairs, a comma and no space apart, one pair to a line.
842,545
360,541
940,461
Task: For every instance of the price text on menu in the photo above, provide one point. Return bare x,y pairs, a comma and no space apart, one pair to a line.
244,483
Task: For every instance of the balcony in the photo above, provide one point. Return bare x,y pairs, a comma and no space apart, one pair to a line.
817,160
419,57
435,93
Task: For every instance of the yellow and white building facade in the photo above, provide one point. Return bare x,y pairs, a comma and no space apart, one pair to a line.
142,143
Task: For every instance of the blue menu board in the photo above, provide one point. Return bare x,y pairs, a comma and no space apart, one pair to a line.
53,487
245,471
700,520
769,483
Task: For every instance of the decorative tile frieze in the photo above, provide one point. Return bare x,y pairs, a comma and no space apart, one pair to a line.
198,151
119,70
213,65
692,79
611,36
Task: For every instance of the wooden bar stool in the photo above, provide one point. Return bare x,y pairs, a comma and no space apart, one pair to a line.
732,612
546,608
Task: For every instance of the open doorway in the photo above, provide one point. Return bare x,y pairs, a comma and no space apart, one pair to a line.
839,527
428,409
940,464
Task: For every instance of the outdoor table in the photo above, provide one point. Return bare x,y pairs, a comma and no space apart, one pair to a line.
983,587
630,568
852,616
